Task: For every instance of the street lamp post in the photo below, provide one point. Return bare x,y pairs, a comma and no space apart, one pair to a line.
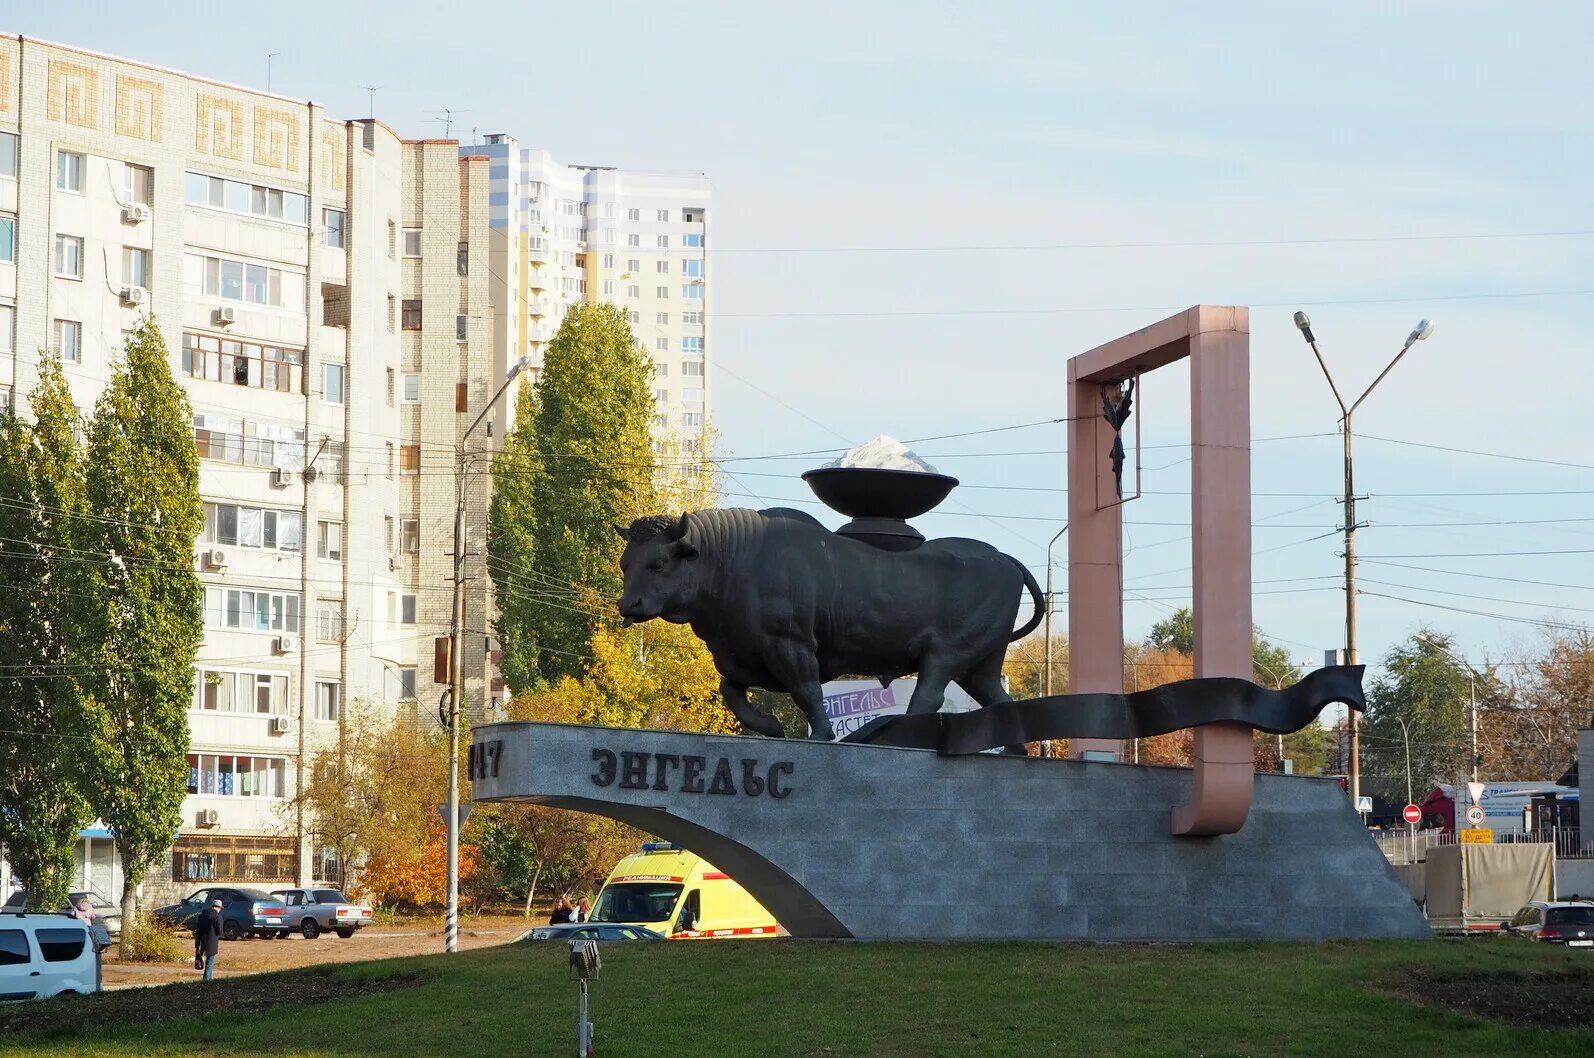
1411,828
456,663
1472,693
1046,637
1423,329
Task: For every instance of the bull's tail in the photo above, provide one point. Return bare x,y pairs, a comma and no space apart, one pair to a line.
1036,594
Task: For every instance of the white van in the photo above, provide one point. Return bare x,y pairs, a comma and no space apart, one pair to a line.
45,955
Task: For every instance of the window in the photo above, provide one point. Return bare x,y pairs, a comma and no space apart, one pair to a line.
692,318
243,363
138,183
68,257
692,369
664,242
634,290
633,239
225,775
69,341
407,683
237,196
232,280
261,444
241,526
608,260
412,388
634,317
410,459
412,242
8,239
411,318
633,264
332,458
392,312
248,610
410,536
135,267
462,259
69,172
692,397
692,292
662,267
460,324
664,216
392,239
14,950
608,288
692,419
661,422
661,395
661,292
8,324
407,609
661,370
329,622
661,345
633,214
692,345
329,541
389,463
226,691
693,239
692,267
661,318
328,700
61,945
390,386
8,154
332,376
334,224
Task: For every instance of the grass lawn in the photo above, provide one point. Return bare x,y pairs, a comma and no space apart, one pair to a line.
801,998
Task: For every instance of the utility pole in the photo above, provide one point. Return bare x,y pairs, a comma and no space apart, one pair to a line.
1353,721
1046,636
456,666
273,55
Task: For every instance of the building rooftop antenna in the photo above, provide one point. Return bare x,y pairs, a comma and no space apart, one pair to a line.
370,99
448,120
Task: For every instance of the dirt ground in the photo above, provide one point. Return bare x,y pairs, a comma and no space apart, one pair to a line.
1549,999
243,957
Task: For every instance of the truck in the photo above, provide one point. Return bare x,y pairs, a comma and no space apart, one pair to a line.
316,911
1471,888
681,895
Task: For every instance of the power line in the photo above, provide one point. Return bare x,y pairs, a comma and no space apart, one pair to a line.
1481,576
1476,452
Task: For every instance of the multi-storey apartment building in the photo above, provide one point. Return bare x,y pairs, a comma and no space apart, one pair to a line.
325,292
569,233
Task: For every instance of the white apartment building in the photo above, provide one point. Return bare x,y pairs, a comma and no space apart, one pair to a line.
569,233
325,290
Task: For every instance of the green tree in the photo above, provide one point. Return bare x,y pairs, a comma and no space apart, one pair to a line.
512,546
593,468
41,484
1270,663
142,618
1427,689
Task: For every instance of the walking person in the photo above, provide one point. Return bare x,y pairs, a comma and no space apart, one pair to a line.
207,939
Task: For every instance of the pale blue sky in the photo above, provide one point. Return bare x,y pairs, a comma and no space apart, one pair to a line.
1001,124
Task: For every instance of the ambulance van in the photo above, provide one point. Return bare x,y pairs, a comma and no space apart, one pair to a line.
681,895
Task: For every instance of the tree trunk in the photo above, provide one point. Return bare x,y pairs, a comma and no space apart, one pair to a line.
129,923
535,874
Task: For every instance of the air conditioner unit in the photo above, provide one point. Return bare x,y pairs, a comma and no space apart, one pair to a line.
395,563
281,477
134,295
282,645
279,725
225,316
214,558
137,213
209,817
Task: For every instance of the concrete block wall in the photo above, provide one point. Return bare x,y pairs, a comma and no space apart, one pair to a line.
876,842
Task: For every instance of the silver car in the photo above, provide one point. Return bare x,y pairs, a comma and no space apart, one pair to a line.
106,913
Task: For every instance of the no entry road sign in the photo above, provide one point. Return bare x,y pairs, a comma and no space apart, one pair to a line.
1411,814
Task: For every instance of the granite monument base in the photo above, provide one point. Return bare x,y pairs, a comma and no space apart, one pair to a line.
876,842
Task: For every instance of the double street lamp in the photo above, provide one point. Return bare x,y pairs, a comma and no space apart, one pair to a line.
1423,329
456,662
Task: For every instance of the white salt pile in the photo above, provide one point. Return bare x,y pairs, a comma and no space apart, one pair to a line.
883,453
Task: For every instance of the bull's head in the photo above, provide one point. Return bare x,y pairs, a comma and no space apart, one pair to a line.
660,578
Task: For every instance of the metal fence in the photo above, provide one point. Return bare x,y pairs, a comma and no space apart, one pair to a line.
1401,846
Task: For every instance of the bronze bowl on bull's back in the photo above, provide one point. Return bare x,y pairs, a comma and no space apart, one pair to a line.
880,500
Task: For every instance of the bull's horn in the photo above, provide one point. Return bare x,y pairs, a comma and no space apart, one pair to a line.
625,534
680,528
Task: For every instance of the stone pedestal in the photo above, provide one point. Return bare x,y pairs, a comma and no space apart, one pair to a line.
875,842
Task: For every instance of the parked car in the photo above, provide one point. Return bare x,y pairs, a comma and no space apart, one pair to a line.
590,931
1555,922
44,955
106,913
244,912
316,911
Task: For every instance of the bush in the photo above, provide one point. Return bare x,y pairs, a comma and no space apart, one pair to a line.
152,942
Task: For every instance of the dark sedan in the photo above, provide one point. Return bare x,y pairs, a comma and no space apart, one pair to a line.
244,912
590,931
